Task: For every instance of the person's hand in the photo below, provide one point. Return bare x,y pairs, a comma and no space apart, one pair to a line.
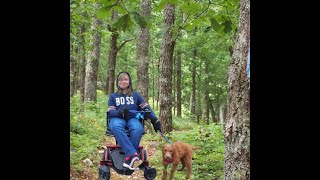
124,113
147,114
156,125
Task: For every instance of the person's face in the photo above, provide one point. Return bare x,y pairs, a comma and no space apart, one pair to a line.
123,81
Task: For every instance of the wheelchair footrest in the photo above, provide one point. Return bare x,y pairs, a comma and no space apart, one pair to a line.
117,157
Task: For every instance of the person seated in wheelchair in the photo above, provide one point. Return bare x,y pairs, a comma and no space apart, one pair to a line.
119,105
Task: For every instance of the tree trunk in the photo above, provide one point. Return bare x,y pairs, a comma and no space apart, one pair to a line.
143,41
112,62
82,68
206,70
76,77
218,103
73,70
112,57
225,108
237,127
179,83
166,52
93,63
193,84
221,120
107,85
174,85
217,107
153,84
199,112
213,117
158,86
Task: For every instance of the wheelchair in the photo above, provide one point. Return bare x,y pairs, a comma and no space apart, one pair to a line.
113,157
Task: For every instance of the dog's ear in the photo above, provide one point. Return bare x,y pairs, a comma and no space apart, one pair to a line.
175,153
174,149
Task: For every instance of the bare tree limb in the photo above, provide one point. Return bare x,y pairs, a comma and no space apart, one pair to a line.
118,49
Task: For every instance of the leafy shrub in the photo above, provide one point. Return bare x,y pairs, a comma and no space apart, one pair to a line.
86,131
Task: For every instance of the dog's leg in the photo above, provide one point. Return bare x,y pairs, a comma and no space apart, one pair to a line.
164,175
183,162
174,167
189,167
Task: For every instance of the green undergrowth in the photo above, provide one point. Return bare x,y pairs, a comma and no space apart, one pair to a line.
87,131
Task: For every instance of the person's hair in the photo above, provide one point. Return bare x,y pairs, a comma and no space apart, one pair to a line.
130,89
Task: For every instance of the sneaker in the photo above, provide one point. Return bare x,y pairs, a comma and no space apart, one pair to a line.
129,161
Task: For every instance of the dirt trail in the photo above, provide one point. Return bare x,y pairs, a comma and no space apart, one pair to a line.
92,174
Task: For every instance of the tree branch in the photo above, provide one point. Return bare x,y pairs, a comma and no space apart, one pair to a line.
118,49
186,19
180,27
198,15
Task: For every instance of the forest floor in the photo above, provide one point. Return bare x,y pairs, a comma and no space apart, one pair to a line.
91,173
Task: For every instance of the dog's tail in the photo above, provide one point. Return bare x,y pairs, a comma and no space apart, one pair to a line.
196,147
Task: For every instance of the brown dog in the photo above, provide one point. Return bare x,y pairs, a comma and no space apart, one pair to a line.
176,153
